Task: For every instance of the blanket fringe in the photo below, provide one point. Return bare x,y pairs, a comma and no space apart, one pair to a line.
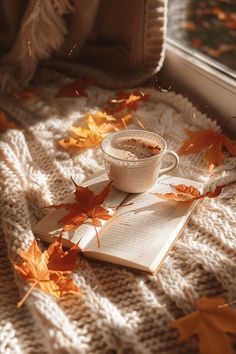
32,44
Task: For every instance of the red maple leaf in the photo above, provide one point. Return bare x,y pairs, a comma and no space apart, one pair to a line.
87,207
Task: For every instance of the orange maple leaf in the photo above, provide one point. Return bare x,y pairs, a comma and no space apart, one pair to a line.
87,207
74,89
24,94
48,271
210,141
211,323
60,260
4,124
187,193
127,100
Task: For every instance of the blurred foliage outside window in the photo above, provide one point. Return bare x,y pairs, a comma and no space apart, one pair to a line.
206,26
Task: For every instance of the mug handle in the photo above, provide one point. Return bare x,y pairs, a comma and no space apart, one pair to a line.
173,165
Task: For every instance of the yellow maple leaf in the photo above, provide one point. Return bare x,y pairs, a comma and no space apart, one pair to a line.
98,125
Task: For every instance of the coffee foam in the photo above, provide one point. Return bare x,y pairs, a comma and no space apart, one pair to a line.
131,149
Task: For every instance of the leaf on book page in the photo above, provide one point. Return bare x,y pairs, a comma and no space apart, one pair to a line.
127,100
87,207
211,322
5,124
74,89
24,95
49,270
209,141
186,193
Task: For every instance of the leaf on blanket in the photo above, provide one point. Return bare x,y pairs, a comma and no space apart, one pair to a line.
60,260
127,100
187,193
74,89
87,207
209,141
49,270
211,322
98,125
24,95
5,124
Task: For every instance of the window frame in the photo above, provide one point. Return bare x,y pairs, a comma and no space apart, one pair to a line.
199,77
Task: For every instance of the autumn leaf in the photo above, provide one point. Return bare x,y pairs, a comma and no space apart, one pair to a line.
4,124
196,42
24,95
83,139
60,260
98,125
90,136
127,100
48,271
209,141
71,144
87,207
211,323
74,89
187,193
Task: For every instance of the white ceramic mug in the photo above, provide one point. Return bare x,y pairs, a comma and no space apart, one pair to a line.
135,175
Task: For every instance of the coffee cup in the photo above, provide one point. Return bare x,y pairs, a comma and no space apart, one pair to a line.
133,159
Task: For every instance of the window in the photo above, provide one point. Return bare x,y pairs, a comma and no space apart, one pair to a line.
201,56
206,27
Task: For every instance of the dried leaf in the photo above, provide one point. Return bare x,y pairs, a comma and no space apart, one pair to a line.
82,138
74,89
187,193
48,271
71,144
219,50
24,95
211,323
87,207
127,100
60,260
209,141
102,123
196,42
4,124
98,126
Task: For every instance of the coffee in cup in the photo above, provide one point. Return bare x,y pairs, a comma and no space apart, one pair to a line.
133,159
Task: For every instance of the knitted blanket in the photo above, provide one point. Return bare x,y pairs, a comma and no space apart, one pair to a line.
122,311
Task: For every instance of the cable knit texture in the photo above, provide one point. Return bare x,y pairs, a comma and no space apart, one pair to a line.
122,311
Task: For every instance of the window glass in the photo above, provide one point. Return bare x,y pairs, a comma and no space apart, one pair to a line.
205,26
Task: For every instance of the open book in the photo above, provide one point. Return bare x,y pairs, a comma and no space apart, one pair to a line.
139,235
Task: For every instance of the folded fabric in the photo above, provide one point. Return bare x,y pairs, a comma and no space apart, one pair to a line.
115,43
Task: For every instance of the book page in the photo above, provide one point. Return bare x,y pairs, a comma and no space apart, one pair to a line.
144,231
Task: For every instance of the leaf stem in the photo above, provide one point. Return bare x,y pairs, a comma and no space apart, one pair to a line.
228,304
25,297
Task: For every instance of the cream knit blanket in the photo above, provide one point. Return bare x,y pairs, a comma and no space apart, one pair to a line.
122,311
